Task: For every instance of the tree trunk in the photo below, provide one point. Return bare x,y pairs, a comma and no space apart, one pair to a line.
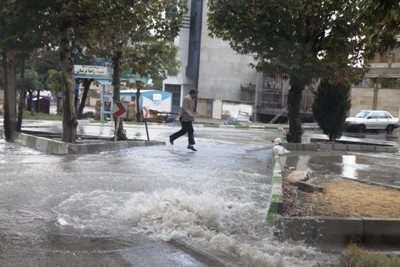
138,109
70,123
30,102
37,105
58,101
22,96
294,100
6,121
86,86
116,82
10,94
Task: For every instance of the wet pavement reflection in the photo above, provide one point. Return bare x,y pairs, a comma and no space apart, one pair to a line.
383,168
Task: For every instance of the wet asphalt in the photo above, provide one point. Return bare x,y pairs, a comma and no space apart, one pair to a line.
93,248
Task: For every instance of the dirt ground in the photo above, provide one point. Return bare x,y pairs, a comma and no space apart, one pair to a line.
341,197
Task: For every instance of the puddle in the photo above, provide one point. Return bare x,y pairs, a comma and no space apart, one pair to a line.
378,168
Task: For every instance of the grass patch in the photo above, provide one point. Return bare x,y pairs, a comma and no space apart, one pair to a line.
359,257
211,125
271,127
41,116
242,126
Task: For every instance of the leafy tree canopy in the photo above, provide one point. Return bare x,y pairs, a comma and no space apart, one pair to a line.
382,22
303,39
54,82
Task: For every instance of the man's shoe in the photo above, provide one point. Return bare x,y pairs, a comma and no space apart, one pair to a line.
191,148
171,141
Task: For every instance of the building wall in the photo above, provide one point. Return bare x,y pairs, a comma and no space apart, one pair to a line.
387,99
185,83
222,70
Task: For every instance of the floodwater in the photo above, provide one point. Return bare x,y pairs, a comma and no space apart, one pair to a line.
122,208
381,168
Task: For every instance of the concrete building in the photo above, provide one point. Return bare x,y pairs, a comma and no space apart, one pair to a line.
380,89
208,65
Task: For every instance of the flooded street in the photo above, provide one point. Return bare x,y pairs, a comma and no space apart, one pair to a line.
124,208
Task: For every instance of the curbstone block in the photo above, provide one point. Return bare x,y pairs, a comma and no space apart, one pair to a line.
274,208
352,147
313,230
289,146
339,230
310,146
296,229
340,147
326,147
299,146
381,231
41,144
368,148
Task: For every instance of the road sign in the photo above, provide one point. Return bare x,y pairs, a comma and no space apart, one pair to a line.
146,113
120,109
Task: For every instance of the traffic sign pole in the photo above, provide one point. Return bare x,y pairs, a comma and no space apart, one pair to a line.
147,130
146,114
117,128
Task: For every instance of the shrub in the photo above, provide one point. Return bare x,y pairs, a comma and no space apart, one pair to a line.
330,108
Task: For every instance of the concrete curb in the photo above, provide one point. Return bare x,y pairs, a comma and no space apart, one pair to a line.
212,259
337,231
54,147
276,201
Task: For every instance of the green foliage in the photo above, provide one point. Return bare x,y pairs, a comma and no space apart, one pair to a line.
154,58
242,126
20,26
271,127
54,82
121,135
358,257
211,125
42,116
330,107
381,20
389,82
302,40
32,80
44,60
145,41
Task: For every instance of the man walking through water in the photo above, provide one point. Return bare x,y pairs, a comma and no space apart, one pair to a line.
187,117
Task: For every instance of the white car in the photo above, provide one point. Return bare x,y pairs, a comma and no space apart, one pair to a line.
372,120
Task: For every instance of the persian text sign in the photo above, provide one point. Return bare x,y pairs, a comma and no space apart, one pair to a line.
91,70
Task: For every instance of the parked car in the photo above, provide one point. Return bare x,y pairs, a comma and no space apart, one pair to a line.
372,120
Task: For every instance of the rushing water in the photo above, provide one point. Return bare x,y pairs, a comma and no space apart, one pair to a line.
217,198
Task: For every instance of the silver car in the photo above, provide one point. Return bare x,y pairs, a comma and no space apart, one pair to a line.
372,120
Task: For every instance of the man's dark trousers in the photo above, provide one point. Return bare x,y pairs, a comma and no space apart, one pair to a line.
187,127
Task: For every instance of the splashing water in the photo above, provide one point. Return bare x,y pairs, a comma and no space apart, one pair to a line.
233,228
